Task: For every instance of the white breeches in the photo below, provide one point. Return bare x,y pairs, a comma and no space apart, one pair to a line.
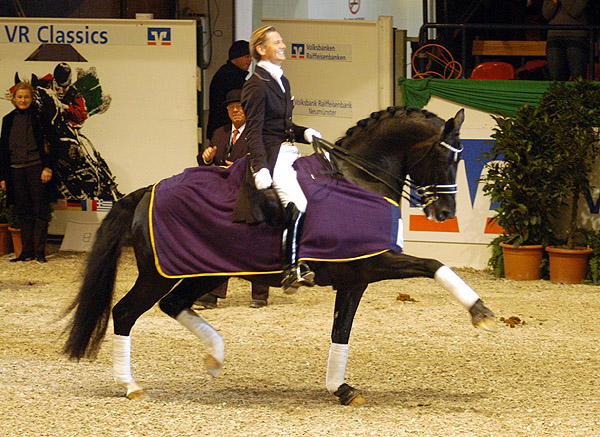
285,179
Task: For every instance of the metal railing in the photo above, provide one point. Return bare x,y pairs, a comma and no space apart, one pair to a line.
465,28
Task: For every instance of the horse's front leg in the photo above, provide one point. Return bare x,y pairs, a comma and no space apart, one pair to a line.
346,303
392,265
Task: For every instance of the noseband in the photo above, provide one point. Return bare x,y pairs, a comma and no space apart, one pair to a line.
429,193
328,153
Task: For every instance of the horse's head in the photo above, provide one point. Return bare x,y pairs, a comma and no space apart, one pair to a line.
434,172
381,150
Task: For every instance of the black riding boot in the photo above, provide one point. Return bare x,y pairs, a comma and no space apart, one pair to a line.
295,273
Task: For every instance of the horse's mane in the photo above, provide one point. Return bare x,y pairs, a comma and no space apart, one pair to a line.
381,129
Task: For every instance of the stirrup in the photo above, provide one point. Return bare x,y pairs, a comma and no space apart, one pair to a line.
296,276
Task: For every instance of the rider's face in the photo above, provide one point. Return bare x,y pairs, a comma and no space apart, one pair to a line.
273,49
60,90
23,99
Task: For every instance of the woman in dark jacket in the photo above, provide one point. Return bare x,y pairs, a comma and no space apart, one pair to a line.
27,160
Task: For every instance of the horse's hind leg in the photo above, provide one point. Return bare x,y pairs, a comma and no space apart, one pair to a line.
146,291
177,305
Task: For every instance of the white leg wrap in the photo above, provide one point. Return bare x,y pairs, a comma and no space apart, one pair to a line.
336,366
455,285
206,333
122,363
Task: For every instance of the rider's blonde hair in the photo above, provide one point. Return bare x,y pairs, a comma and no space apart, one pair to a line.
258,38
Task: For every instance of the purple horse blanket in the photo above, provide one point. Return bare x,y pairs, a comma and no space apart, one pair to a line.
193,233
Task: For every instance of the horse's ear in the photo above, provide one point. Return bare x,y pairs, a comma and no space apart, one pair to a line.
454,124
17,80
459,119
34,80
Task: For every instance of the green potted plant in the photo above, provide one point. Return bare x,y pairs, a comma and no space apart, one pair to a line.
5,240
14,228
547,154
574,110
520,182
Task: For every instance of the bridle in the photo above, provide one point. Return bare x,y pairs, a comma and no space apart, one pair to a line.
329,154
429,193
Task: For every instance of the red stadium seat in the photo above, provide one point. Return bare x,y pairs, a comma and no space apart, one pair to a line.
493,70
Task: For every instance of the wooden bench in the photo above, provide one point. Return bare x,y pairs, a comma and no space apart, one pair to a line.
509,48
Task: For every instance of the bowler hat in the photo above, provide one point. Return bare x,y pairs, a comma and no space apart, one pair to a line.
232,97
238,49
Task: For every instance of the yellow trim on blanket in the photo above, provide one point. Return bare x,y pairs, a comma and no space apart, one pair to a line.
393,202
370,255
150,225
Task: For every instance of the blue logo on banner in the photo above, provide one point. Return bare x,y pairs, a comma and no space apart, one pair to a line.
159,36
298,51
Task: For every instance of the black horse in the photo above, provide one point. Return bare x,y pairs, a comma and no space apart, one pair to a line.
378,153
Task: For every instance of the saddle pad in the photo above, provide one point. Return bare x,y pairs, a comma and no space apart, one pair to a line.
193,233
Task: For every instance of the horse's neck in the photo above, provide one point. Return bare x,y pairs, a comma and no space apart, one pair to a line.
359,177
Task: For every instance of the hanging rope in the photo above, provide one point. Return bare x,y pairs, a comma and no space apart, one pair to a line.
436,55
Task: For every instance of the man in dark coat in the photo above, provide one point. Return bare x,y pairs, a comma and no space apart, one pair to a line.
230,76
228,142
227,145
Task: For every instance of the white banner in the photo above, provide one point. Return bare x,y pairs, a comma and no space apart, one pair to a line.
126,114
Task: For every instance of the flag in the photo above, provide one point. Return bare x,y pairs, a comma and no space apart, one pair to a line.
104,205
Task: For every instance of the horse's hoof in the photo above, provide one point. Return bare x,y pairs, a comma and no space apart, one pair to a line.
137,395
487,324
358,401
350,396
482,317
213,366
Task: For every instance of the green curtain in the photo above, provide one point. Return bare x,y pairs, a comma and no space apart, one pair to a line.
494,96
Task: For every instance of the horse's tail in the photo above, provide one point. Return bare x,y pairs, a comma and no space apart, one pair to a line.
93,302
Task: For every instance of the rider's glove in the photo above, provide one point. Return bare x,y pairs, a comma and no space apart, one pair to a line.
310,133
262,179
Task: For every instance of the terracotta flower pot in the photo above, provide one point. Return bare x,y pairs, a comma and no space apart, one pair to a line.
16,240
568,266
5,239
522,263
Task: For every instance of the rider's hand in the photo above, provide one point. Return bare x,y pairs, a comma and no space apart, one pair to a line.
262,179
310,133
208,154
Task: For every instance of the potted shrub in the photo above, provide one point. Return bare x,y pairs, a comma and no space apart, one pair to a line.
548,152
13,227
574,115
520,181
5,240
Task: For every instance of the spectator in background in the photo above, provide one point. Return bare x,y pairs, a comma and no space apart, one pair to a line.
566,50
27,161
227,145
230,76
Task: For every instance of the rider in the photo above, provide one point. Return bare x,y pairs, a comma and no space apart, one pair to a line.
72,103
268,104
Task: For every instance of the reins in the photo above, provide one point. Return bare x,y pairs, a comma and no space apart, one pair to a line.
328,153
